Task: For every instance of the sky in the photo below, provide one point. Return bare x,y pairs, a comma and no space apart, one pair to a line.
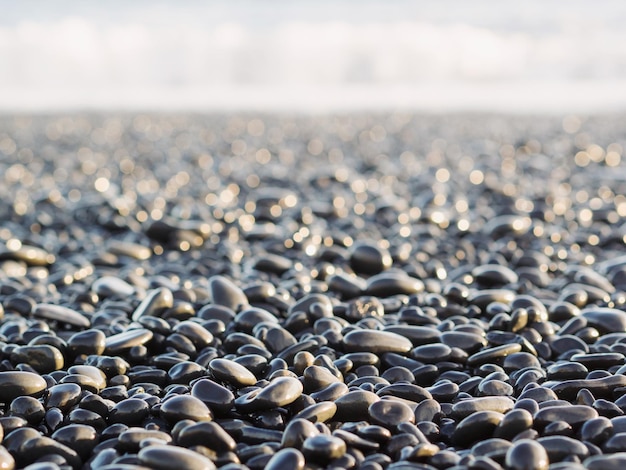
313,56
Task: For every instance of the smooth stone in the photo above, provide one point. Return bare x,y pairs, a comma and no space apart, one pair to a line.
484,297
87,342
465,408
131,412
319,412
418,335
63,396
615,461
514,422
195,332
29,408
209,434
349,286
297,431
390,413
184,372
574,415
111,286
476,427
163,457
600,388
493,355
323,448
597,430
224,292
281,391
272,263
286,459
278,339
16,383
316,378
82,439
7,462
129,249
376,341
29,254
431,353
128,339
468,342
354,404
61,314
129,440
231,372
561,447
368,258
154,304
616,443
41,446
217,397
494,275
181,407
330,393
391,283
527,454
98,377
248,318
605,319
42,358
407,391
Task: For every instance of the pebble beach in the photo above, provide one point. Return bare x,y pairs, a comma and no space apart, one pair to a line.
358,291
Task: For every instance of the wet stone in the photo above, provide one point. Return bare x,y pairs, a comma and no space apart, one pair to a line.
60,314
390,414
477,426
527,454
229,371
209,434
111,286
323,448
605,319
281,391
376,341
286,458
162,457
128,339
131,411
42,358
15,383
369,258
182,407
217,397
561,447
224,292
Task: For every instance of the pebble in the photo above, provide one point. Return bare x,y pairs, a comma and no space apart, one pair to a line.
527,454
14,384
323,448
61,314
279,392
182,407
376,342
231,372
390,413
361,317
162,457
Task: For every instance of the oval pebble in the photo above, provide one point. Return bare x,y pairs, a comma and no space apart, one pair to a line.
376,342
527,454
160,457
16,383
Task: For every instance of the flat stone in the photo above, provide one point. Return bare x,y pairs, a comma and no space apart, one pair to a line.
376,342
61,314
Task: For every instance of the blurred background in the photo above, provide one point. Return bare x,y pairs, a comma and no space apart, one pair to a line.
313,56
